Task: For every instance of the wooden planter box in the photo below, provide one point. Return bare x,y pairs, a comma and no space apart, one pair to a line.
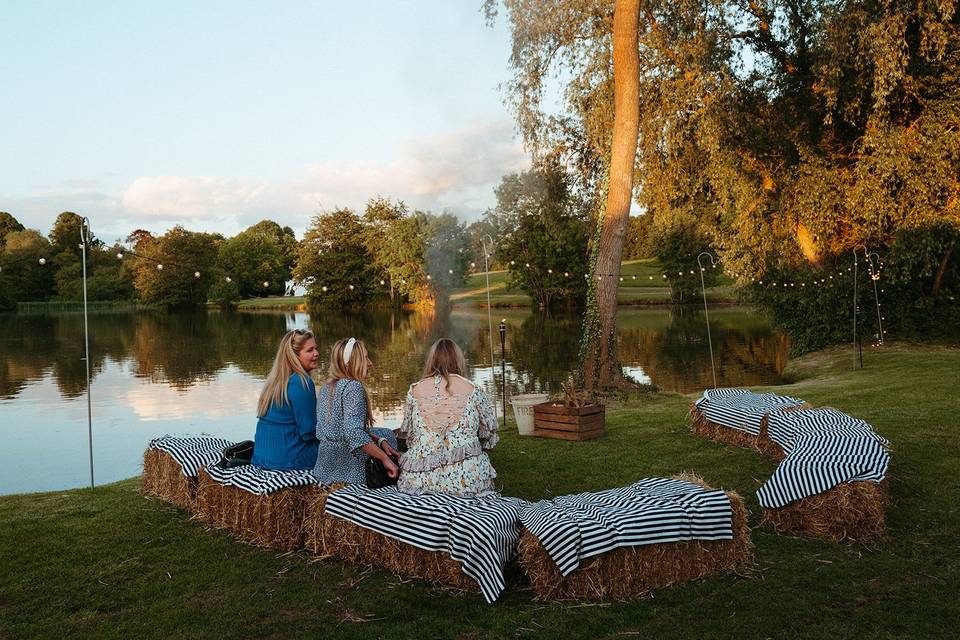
554,420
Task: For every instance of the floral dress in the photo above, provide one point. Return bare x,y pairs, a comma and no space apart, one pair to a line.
447,436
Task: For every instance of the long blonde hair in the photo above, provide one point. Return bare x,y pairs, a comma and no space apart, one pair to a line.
285,364
444,359
355,369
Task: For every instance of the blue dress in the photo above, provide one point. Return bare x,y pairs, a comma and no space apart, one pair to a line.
341,431
286,436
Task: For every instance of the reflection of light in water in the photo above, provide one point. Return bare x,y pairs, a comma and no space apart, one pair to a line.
637,374
298,320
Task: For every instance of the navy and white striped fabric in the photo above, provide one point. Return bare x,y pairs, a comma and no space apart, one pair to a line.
192,453
741,409
825,448
261,481
653,510
480,533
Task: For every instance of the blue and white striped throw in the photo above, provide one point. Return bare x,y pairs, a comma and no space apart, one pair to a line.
573,528
261,481
193,452
742,409
480,533
825,448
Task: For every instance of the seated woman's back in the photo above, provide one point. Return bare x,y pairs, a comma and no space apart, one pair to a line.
448,429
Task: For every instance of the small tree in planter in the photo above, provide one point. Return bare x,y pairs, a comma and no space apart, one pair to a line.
574,415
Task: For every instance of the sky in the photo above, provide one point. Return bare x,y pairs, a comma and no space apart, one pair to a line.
215,115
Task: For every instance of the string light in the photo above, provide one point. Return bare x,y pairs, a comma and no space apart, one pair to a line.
196,274
42,261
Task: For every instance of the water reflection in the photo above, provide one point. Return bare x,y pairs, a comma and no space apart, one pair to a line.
156,373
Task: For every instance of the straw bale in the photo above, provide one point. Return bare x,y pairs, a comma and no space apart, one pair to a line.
313,532
274,520
163,477
631,572
760,443
850,511
352,543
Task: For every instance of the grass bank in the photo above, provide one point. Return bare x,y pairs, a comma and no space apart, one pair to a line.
109,563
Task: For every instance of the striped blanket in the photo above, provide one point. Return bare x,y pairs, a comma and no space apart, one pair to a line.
191,453
740,408
825,448
261,481
480,533
653,510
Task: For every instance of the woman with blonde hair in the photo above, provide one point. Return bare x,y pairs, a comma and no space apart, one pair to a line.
345,419
286,435
449,425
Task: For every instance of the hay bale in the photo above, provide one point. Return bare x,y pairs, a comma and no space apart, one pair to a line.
274,520
631,572
850,511
313,532
760,443
163,477
352,543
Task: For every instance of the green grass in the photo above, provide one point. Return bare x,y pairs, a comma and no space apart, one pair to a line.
642,284
110,563
273,302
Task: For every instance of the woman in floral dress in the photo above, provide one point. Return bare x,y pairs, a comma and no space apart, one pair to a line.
449,424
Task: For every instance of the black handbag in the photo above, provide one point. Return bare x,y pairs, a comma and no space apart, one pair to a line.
236,455
377,474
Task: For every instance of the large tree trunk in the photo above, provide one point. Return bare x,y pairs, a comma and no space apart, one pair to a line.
623,152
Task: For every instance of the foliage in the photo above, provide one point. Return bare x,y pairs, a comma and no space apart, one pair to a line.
334,261
640,235
677,248
446,254
395,240
254,257
788,131
477,231
543,230
8,224
22,277
177,268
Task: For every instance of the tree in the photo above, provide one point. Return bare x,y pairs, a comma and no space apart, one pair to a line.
395,241
791,131
677,248
284,239
334,262
22,275
252,258
177,268
8,224
543,231
446,256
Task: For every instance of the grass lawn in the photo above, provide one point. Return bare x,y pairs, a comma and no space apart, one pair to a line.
110,563
273,302
643,283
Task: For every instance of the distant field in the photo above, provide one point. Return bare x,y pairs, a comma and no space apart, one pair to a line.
643,283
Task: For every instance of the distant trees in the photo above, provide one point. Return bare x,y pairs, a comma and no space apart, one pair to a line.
177,268
543,232
395,242
259,259
335,262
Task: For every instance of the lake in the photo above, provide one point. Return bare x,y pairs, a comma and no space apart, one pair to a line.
157,373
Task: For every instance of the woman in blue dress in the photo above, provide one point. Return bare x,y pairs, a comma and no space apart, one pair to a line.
286,435
344,419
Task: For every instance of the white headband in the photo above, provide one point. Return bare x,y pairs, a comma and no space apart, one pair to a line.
348,350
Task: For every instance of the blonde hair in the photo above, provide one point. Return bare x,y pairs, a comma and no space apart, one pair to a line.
354,369
444,359
285,364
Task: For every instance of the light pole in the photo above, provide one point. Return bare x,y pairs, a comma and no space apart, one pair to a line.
503,367
84,240
703,290
486,268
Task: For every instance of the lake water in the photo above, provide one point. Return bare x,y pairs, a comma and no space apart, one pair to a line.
156,373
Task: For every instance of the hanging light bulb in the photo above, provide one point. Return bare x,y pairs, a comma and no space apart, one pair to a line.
566,275
473,265
324,288
265,284
382,283
351,287
512,262
119,256
450,271
549,270
429,276
228,279
159,267
196,274
42,261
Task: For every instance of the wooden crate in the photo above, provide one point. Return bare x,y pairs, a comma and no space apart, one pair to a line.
554,420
